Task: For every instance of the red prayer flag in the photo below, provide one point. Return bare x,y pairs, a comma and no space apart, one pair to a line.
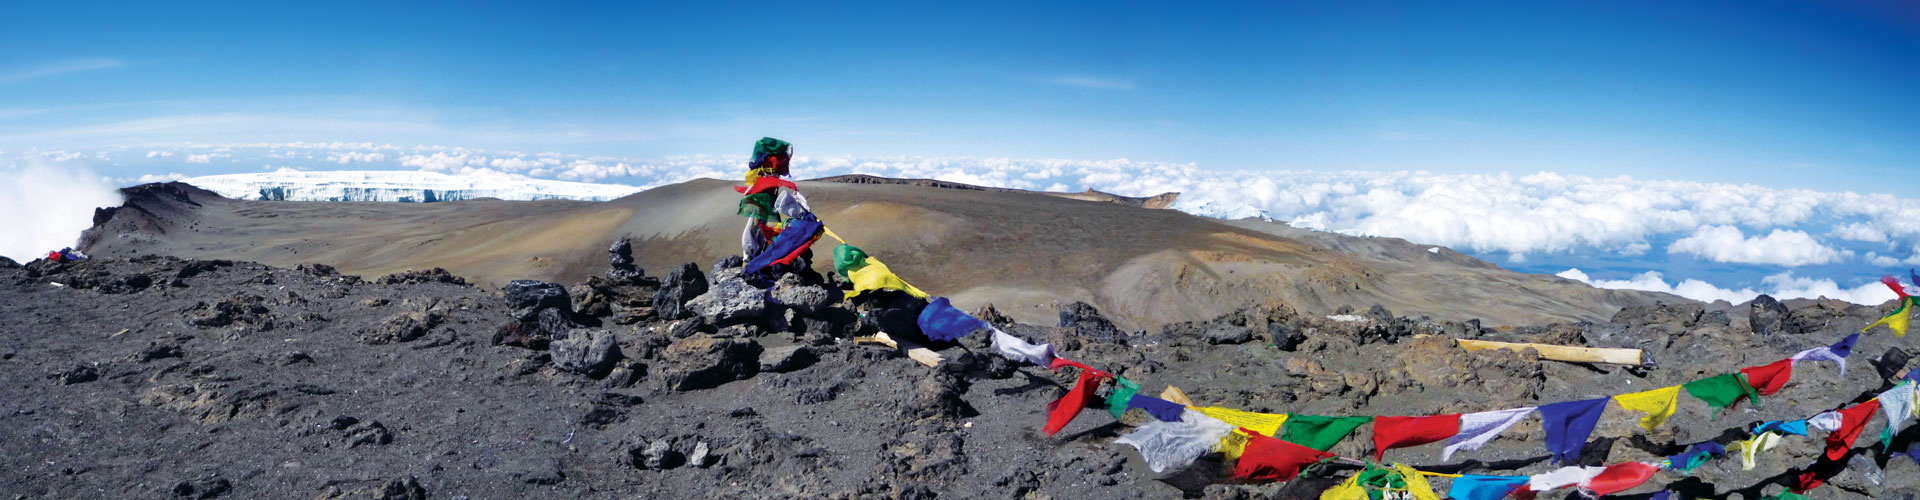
1402,432
1059,362
1852,421
1062,410
1621,477
765,183
1894,283
1269,459
1768,379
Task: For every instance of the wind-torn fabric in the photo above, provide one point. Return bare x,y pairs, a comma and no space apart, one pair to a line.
1836,353
1696,455
1619,477
941,321
1657,404
1794,427
1318,432
1120,396
1721,391
1062,411
1268,459
1014,348
1267,424
1852,421
1170,445
1562,477
875,276
1476,429
1166,411
1769,378
1568,424
1896,321
1403,432
1474,487
1750,448
1897,403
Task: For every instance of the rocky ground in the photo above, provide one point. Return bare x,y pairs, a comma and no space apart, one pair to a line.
151,377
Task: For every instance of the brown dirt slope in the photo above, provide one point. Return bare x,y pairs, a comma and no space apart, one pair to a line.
1023,252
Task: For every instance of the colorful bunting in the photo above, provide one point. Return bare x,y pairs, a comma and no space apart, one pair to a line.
1402,432
1476,429
1014,348
793,240
1769,378
1473,487
1265,423
1619,477
1750,448
1417,486
1720,392
1063,410
1268,459
1695,456
760,184
1562,477
1853,420
1836,353
1235,443
943,322
1166,411
1826,421
1897,403
1794,427
1169,445
1658,404
1896,321
1120,396
874,275
1318,432
1568,424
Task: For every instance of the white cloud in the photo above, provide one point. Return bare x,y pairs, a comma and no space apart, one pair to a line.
1781,247
1781,286
160,154
344,158
207,158
53,204
1856,231
167,177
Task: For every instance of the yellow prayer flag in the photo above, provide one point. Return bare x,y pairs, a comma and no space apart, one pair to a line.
1234,444
1658,404
1751,448
1896,321
1173,394
1416,484
1347,490
1267,424
876,276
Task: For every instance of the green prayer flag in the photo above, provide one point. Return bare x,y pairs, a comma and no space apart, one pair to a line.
1786,495
1317,432
759,206
1722,391
1123,391
772,147
847,258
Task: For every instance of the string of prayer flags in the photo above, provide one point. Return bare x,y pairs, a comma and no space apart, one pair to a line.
1475,487
1897,403
1769,378
1318,432
1264,423
1695,456
1063,410
1658,404
1619,477
1014,348
1568,424
1166,411
1750,448
1170,445
1562,477
1897,320
874,275
1826,421
1121,396
1477,429
943,322
1417,486
1794,427
793,240
1852,421
1721,391
759,184
1837,353
1402,432
1264,458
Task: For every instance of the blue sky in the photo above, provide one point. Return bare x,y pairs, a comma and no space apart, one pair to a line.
1767,143
1789,94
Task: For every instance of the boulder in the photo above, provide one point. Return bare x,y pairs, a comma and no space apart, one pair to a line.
1226,333
547,325
681,285
590,352
435,275
620,261
402,327
786,359
706,361
1087,323
730,302
528,297
791,292
1767,315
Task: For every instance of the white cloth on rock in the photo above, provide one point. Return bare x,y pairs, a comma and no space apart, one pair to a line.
1476,429
1014,348
1172,445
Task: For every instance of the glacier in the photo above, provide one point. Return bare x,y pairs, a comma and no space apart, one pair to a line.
400,186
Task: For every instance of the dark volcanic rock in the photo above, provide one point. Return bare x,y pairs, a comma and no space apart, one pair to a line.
1767,315
681,285
790,291
536,334
1227,334
247,309
402,327
620,263
528,297
1087,323
202,488
786,359
589,352
731,301
705,361
435,275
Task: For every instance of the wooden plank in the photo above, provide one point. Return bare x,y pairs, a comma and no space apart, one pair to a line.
922,355
1563,353
1173,394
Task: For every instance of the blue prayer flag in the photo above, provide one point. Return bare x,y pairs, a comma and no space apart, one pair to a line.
1568,424
943,322
1473,487
1166,411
